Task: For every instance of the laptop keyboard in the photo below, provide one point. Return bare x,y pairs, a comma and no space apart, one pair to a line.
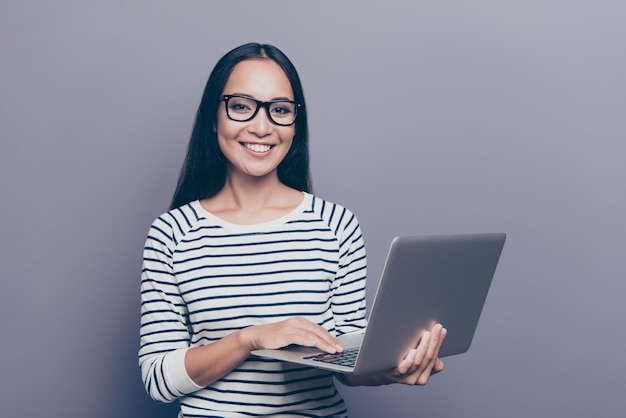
346,358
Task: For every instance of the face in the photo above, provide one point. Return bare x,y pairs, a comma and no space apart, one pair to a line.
256,147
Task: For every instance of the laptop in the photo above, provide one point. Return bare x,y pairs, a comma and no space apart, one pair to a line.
425,280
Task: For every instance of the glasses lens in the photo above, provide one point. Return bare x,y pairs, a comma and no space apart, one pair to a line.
240,108
282,113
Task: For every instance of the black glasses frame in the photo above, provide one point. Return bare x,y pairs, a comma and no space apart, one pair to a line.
259,104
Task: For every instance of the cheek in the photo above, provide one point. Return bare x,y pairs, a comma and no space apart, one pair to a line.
287,134
226,129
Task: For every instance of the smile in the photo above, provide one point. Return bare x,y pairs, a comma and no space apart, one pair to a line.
260,148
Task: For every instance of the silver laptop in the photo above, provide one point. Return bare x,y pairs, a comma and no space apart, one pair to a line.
426,279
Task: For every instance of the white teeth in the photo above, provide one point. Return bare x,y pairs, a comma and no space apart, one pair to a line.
257,147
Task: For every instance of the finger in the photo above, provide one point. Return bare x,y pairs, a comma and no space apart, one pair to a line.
442,337
425,357
439,366
324,345
413,361
422,348
438,340
437,336
431,363
432,352
313,335
405,366
308,340
325,341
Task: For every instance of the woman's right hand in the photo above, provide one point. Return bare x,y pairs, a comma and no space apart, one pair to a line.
205,364
297,330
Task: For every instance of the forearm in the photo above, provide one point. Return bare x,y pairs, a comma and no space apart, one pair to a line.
208,363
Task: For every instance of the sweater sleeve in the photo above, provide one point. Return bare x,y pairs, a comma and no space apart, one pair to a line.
348,289
164,331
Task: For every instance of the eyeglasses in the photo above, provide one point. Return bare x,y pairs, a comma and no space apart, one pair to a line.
243,108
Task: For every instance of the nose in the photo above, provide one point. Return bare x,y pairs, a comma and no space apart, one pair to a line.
261,125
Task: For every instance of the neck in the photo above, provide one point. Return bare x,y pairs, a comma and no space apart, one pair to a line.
251,200
252,193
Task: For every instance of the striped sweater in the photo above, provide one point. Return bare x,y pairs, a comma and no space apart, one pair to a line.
204,278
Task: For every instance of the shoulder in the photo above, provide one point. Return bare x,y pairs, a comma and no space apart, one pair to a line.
336,216
176,223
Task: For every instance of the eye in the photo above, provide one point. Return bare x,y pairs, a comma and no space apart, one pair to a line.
238,107
241,105
282,109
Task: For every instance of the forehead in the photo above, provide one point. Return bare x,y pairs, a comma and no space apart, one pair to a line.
262,79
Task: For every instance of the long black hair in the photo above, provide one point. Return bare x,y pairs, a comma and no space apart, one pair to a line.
204,171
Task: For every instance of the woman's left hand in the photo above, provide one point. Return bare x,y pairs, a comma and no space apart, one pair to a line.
421,362
416,368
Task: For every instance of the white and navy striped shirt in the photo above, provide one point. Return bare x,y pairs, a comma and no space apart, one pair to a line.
204,278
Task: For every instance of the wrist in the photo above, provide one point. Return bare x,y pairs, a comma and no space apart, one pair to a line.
246,339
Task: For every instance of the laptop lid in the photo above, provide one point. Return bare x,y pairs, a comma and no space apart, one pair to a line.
425,280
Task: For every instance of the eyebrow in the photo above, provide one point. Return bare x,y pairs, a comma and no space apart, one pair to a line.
252,97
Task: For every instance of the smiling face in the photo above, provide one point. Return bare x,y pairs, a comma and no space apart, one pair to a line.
256,147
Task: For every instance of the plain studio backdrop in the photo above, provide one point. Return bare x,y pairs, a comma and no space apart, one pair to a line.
426,117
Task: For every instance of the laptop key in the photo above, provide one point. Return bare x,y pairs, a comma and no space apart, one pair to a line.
345,358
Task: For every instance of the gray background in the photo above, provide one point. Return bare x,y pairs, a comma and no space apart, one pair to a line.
426,117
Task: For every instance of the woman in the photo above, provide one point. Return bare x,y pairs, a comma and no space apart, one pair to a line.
247,259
